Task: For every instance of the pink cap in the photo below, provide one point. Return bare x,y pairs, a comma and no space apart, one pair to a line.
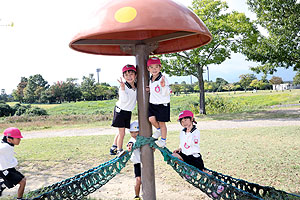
13,132
153,60
128,67
186,113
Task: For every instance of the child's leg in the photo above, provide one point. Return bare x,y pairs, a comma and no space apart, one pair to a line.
163,132
120,138
116,139
21,188
163,129
137,186
153,121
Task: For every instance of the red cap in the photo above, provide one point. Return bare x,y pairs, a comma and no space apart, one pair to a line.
153,60
185,113
128,67
13,132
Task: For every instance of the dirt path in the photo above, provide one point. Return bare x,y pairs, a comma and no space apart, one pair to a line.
202,125
121,187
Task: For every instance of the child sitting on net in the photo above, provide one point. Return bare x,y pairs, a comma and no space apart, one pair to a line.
189,147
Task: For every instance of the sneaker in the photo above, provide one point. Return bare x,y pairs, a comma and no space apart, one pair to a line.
156,134
219,190
113,151
160,143
137,198
1,188
121,153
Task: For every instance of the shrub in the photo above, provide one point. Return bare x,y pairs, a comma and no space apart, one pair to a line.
5,110
215,105
21,109
36,111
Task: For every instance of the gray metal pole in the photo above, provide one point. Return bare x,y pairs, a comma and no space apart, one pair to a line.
147,157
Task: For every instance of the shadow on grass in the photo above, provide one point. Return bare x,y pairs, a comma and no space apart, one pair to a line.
259,114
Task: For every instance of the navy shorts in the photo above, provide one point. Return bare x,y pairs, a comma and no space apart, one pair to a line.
191,160
11,177
160,111
121,118
137,169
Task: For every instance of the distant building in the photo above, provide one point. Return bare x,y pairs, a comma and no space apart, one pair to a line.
285,86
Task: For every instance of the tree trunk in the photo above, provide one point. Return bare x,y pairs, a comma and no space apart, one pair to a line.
201,90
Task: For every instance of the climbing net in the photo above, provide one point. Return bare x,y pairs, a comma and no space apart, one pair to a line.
89,181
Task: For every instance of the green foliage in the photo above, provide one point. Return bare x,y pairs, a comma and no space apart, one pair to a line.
275,80
36,111
228,31
280,48
21,109
246,79
296,79
219,104
5,110
34,88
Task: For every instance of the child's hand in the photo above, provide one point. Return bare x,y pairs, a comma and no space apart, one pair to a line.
147,89
122,84
162,82
177,150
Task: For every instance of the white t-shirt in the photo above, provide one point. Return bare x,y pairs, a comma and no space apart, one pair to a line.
7,158
190,142
136,154
127,98
159,94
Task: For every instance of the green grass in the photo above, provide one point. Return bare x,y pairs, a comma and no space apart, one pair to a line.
99,113
267,156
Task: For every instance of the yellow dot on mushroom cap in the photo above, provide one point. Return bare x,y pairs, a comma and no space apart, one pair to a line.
125,14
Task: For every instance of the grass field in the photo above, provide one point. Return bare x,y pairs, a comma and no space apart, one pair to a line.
99,113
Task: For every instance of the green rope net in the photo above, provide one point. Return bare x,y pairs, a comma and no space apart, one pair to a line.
89,181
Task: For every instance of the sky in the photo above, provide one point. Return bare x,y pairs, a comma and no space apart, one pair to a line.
38,43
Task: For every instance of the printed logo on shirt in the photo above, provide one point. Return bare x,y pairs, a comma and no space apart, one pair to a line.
157,89
186,146
196,141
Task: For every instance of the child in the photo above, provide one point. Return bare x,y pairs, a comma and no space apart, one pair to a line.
159,107
189,148
11,177
124,107
135,158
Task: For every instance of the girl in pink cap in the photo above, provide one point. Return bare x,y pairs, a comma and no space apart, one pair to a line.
11,177
189,147
124,107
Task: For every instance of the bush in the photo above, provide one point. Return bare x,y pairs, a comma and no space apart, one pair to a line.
5,110
215,105
21,109
36,111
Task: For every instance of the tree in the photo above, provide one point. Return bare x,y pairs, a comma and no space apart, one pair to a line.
34,88
88,88
228,31
296,79
276,80
220,83
281,18
18,94
175,88
246,79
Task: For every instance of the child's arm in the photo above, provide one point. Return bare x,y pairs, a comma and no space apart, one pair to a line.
165,89
122,94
